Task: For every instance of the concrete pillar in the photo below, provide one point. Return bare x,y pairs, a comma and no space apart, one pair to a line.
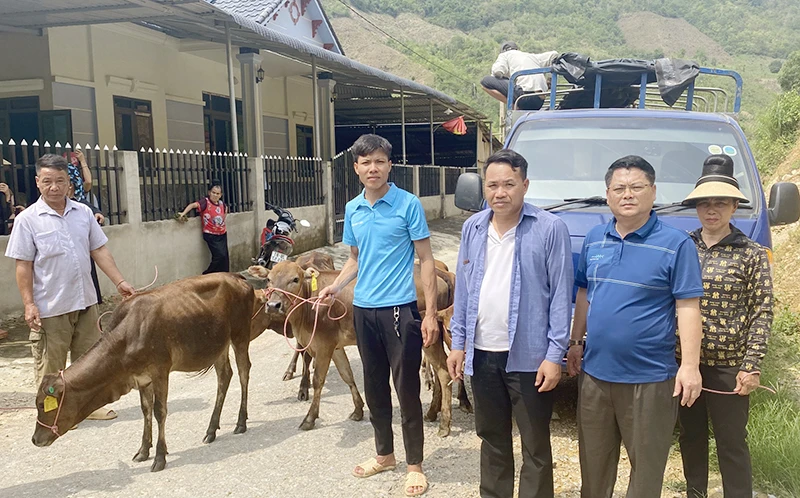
330,215
130,196
327,115
255,165
250,62
231,88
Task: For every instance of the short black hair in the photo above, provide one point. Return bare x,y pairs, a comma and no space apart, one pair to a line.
214,183
510,157
509,45
369,143
629,162
52,161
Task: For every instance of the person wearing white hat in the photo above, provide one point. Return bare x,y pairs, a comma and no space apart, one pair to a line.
737,317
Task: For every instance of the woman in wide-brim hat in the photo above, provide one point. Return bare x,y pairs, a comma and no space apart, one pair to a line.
737,317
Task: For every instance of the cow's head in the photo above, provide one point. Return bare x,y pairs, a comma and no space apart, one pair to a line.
265,318
57,410
285,276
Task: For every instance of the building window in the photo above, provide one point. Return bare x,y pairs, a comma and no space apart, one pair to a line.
305,141
217,123
133,120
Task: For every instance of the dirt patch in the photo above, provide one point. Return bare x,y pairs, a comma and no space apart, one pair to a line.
649,32
786,239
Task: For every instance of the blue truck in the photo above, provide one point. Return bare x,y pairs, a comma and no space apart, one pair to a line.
569,150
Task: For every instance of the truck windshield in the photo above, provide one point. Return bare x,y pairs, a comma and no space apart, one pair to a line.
568,158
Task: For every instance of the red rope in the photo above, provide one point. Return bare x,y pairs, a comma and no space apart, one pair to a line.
732,392
295,306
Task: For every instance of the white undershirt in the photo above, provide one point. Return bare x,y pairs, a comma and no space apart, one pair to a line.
491,333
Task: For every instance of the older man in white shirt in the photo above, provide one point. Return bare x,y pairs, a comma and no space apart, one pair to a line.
52,243
511,60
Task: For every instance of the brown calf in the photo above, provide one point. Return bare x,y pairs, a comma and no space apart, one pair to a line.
332,336
185,326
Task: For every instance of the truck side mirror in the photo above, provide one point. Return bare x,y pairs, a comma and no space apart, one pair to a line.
469,192
784,204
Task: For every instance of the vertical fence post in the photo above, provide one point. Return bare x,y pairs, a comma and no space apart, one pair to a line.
443,190
130,198
256,184
415,179
330,214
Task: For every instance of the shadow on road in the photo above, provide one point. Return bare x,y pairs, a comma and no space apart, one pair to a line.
78,482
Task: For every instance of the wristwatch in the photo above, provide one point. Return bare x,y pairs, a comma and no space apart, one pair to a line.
573,342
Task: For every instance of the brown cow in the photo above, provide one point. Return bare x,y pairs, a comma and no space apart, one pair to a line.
314,259
334,335
436,358
185,326
331,336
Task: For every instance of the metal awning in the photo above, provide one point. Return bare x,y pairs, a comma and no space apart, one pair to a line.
364,94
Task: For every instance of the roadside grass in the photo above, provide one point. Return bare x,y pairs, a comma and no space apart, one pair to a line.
774,428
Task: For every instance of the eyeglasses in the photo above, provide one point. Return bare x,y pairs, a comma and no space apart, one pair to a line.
636,188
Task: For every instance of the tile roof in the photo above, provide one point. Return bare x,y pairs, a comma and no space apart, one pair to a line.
257,10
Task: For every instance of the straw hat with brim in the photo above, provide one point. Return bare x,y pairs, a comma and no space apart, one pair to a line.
717,180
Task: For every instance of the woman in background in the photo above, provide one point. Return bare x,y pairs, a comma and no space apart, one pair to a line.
212,212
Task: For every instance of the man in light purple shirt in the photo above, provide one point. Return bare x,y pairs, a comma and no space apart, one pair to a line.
53,241
510,326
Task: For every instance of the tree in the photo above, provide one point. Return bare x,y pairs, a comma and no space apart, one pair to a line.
775,66
789,77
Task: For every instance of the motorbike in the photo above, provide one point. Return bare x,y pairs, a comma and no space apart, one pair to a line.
276,242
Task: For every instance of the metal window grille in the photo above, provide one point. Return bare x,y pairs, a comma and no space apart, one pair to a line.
293,181
18,171
169,180
429,181
451,175
403,177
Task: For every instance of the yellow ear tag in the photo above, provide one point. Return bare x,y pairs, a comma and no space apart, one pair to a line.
50,404
313,283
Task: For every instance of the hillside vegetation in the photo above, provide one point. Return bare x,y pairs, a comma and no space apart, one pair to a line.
451,44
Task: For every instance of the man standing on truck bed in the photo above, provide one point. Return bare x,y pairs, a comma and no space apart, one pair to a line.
511,60
633,275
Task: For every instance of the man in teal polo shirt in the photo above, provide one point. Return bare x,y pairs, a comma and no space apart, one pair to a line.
634,275
383,226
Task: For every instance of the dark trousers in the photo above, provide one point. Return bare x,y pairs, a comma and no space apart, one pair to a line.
642,416
218,245
388,345
729,414
530,103
497,396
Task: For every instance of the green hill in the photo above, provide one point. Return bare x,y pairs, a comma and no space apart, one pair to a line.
462,36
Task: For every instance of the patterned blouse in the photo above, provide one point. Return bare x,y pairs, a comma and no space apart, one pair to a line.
737,305
77,181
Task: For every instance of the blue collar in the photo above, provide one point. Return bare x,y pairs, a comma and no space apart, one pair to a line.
389,197
642,232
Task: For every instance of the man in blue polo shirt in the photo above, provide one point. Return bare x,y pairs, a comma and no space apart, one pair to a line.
383,226
634,274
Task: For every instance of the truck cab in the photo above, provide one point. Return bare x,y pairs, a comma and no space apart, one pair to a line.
569,150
